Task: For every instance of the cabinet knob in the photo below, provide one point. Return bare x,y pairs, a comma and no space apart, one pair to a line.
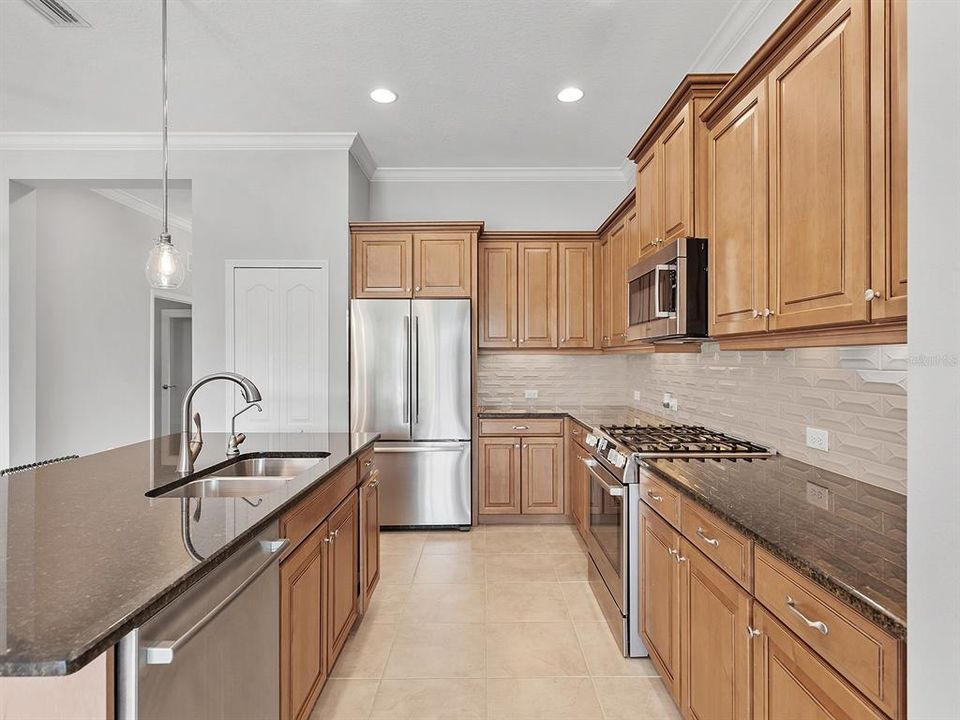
871,294
513,339
756,313
418,288
517,445
767,312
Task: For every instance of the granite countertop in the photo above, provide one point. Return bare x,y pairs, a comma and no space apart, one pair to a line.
86,556
856,549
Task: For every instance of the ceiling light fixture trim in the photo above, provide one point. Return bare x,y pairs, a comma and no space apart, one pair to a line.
384,96
570,95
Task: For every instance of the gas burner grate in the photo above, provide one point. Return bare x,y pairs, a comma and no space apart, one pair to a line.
679,441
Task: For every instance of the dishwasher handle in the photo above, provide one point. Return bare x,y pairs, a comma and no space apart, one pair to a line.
162,653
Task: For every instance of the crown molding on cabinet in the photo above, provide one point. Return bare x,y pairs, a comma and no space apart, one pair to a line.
499,174
738,22
134,202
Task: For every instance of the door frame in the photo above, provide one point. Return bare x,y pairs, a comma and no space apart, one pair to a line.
231,265
155,295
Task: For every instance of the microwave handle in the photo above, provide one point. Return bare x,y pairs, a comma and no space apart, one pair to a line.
657,312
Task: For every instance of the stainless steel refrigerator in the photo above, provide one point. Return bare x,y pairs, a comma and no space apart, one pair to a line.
410,382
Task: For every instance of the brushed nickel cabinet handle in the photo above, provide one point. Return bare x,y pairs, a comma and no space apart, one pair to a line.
676,555
520,427
755,313
752,632
707,540
817,625
652,496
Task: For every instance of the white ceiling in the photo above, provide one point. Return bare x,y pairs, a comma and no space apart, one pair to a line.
477,79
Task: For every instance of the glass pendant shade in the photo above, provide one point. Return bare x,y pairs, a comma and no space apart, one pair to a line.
165,266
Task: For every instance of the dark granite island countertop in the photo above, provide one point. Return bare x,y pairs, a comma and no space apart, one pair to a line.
87,556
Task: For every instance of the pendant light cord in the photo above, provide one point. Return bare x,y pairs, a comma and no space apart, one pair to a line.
164,231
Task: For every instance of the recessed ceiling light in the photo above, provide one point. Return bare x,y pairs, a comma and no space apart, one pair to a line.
382,95
570,94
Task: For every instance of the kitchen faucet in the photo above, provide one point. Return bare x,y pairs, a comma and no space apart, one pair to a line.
190,447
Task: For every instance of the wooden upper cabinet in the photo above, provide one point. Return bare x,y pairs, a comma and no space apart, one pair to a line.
605,314
888,160
715,649
499,475
819,184
343,574
497,310
537,294
617,291
541,473
575,309
660,575
382,265
648,202
675,150
441,264
738,223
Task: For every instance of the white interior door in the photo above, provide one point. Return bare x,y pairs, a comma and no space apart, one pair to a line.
176,366
280,343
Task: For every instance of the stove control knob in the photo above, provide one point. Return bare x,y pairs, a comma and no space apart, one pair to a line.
616,458
592,440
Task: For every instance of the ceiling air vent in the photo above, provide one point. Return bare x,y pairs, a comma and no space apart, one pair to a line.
58,13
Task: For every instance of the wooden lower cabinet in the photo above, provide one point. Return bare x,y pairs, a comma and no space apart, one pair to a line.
715,643
370,536
521,474
303,649
541,475
791,681
499,472
660,574
579,486
343,574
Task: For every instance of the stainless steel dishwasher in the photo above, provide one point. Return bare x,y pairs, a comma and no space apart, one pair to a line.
213,653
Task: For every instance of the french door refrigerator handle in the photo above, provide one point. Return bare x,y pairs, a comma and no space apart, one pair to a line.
406,369
417,371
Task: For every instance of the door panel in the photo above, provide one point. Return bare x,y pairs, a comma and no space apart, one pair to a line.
441,265
541,475
342,575
819,184
498,294
616,290
537,300
715,614
380,360
370,527
441,369
576,295
660,597
606,309
738,227
675,148
381,265
648,202
499,473
424,483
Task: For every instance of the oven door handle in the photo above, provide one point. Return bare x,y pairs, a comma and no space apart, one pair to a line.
612,490
657,312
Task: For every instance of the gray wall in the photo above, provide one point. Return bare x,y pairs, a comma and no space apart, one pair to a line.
23,324
933,513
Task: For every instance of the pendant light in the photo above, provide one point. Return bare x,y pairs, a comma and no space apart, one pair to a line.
165,267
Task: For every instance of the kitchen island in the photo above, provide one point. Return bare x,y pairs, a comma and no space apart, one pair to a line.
89,556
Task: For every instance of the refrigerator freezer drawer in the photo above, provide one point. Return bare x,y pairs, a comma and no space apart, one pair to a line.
424,483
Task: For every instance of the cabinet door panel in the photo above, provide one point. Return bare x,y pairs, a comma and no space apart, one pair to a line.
575,316
660,597
498,294
303,655
499,472
606,272
738,227
537,303
441,265
541,476
819,200
715,644
675,148
382,265
618,283
371,536
342,575
790,681
648,202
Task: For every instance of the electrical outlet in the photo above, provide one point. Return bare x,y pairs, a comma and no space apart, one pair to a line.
673,404
636,395
667,399
531,394
818,495
818,439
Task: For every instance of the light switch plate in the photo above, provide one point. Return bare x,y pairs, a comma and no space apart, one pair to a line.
818,439
531,394
818,495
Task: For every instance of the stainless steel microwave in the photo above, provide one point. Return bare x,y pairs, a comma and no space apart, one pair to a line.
667,293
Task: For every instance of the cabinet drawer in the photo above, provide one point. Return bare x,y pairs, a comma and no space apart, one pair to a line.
367,463
868,657
727,547
299,522
578,433
521,426
661,497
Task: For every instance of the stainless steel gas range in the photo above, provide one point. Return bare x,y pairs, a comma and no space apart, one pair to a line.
613,538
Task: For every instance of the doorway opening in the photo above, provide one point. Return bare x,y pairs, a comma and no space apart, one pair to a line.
172,360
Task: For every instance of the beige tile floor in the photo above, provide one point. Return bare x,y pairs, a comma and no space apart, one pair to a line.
497,623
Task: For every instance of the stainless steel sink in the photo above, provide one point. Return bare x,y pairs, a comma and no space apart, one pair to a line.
247,477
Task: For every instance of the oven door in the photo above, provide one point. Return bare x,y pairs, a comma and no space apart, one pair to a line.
607,530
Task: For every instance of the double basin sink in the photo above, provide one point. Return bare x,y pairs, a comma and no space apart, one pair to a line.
244,477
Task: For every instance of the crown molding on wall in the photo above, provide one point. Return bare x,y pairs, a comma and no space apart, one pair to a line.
360,153
499,174
198,140
728,35
134,202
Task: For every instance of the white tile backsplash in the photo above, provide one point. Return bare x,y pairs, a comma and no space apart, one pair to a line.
858,394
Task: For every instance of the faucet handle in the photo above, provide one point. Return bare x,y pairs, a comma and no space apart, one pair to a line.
198,433
196,442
